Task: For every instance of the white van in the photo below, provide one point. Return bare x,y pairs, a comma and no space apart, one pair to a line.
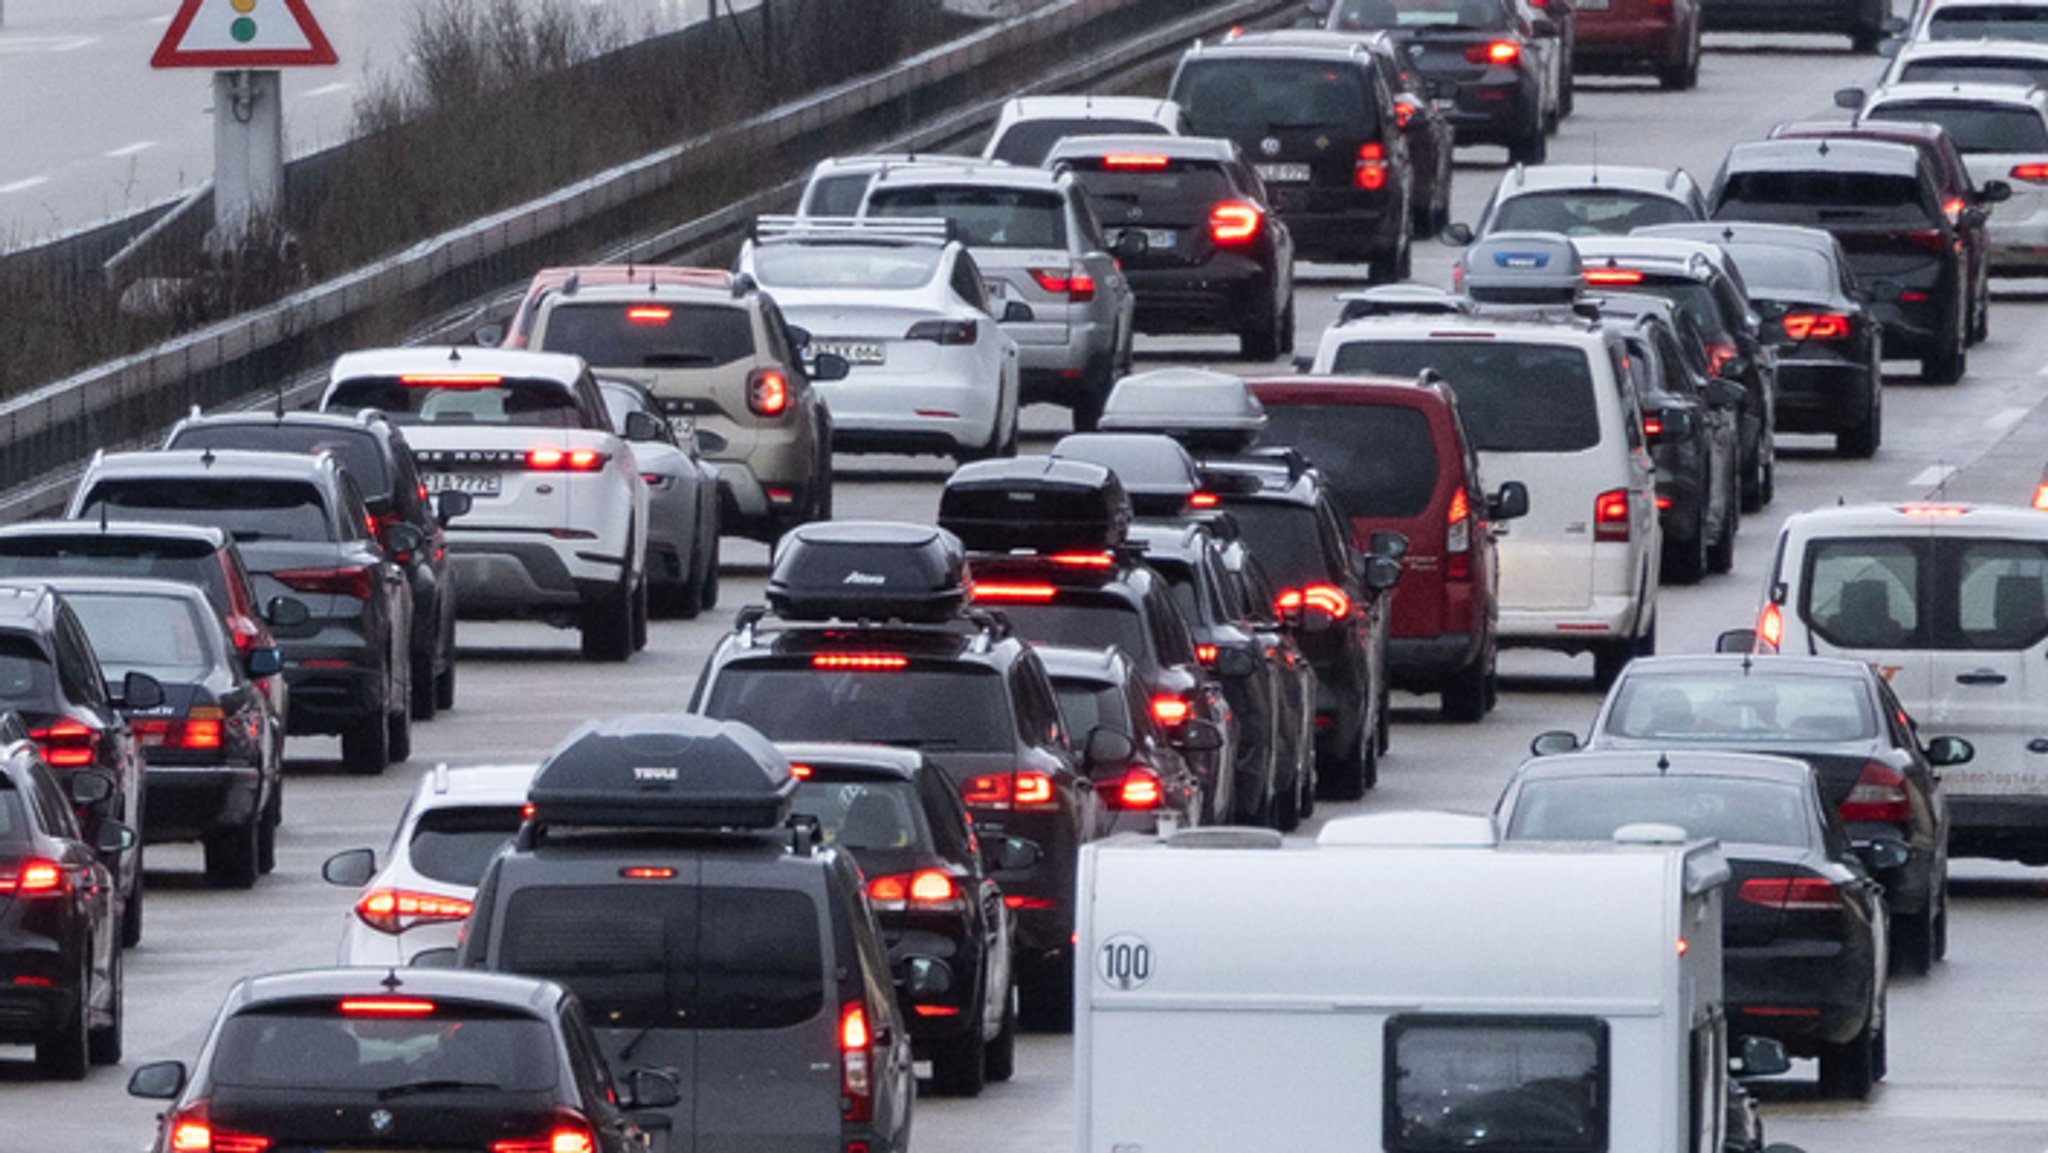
1546,400
1404,985
1950,603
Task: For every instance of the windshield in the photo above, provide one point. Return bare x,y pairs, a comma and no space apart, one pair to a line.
1237,97
1823,198
1587,212
165,637
247,508
482,400
1974,127
867,815
983,217
1370,15
622,334
1379,458
1975,70
879,268
959,708
1729,809
453,845
1028,142
1514,397
357,450
1749,708
313,1047
1773,267
1989,22
1536,1086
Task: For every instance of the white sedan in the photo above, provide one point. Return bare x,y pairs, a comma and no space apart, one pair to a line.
930,370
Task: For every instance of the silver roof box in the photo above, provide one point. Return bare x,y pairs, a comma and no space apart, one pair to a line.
1211,412
1522,268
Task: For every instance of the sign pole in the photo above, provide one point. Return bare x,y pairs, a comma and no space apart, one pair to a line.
248,152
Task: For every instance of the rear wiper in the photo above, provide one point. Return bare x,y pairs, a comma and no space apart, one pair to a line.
440,1085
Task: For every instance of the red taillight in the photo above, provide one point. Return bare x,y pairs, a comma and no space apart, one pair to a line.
1138,791
1116,162
1816,326
1235,222
1203,500
2031,173
451,380
1020,901
648,314
928,890
1718,354
1206,654
1403,112
200,731
1953,208
1663,504
1170,710
1371,171
1879,794
1022,791
193,1132
67,744
767,392
1931,239
571,1134
396,910
861,662
1073,283
1083,559
1498,52
386,1007
1033,791
31,877
1770,627
649,872
953,333
856,1072
247,633
2041,496
1612,276
1610,515
1791,894
1011,591
1653,425
353,583
1458,537
1913,296
550,459
1328,599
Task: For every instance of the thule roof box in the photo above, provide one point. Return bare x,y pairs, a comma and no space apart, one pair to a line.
1522,268
663,771
1402,300
1035,504
868,570
1206,411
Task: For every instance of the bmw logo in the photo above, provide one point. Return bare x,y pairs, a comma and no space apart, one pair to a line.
1270,146
380,1121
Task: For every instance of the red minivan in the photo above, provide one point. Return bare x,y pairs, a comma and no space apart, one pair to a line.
1396,455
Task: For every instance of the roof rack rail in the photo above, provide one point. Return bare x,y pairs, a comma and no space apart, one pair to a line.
1400,299
1297,462
988,627
853,227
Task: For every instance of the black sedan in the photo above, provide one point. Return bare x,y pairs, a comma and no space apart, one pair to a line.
1803,927
1838,716
1138,773
210,749
60,918
935,899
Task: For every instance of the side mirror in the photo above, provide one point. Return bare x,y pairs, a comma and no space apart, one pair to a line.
1678,424
1949,751
350,868
1018,312
1510,503
449,505
1759,1057
1849,98
1131,244
1734,368
489,335
649,1089
1105,746
263,662
1382,573
1456,235
1723,393
1388,543
829,366
287,612
1235,663
1974,217
1554,742
141,692
1894,25
1883,855
641,427
1735,641
1994,192
1011,854
926,977
115,838
90,788
442,958
1199,737
158,1081
401,541
1302,364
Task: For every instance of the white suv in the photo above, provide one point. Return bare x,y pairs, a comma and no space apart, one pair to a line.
557,528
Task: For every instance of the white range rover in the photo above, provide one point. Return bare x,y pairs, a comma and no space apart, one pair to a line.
556,528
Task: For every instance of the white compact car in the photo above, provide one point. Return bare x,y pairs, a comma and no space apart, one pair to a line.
682,501
929,368
1028,126
1950,603
456,822
2002,132
557,529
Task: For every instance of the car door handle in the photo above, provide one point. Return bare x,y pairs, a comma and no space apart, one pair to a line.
1980,677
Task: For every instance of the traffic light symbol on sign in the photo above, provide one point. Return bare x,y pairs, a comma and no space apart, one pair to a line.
223,34
244,27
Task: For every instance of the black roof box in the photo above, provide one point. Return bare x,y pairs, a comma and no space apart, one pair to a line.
1156,471
869,570
664,771
1035,504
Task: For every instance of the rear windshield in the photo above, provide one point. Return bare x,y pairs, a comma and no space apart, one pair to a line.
248,509
316,1047
865,815
1087,624
161,636
1693,298
1975,70
670,957
453,845
1748,708
983,217
1974,127
873,267
1029,141
1587,212
357,450
1362,15
13,818
1177,192
1236,97
622,334
1285,537
481,400
1514,397
24,674
838,195
1903,593
1088,705
1727,809
116,556
1380,459
959,708
1493,1083
1989,22
1771,267
1822,198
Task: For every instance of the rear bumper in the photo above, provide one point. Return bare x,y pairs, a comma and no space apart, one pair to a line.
185,803
1606,620
2019,244
1423,664
872,412
1823,395
1609,42
1493,112
1805,993
28,1012
1087,340
2013,828
1801,16
325,700
1347,234
1224,294
505,576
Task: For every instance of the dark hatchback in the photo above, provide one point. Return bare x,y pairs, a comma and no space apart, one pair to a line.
937,902
1803,931
1479,57
1838,716
358,1059
1144,781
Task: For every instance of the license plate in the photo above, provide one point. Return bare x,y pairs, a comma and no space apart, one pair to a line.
1156,239
852,353
1284,173
473,483
1591,5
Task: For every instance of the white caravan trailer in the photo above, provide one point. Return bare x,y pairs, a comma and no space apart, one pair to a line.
1405,985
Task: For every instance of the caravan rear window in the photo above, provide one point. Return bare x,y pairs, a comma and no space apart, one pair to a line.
1514,397
1520,1083
1897,593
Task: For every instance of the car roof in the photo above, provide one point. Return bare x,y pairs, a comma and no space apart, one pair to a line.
882,760
1084,106
598,275
530,993
1072,662
427,359
1956,92
1924,516
1667,182
1656,762
198,462
1528,325
68,585
141,530
360,420
1744,664
2014,49
1650,250
1811,155
1744,232
1881,131
447,786
1171,147
1293,43
25,599
981,173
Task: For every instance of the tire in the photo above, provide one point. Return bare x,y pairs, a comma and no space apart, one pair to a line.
103,1044
1464,698
1287,809
608,624
1685,561
1567,95
1000,1062
1609,660
1048,995
444,687
1262,340
1980,321
640,614
266,835
131,909
1913,943
1532,149
399,741
233,856
1683,77
1951,360
1848,1070
960,1065
1395,266
424,701
64,1054
1351,774
707,593
366,746
1287,328
1865,41
1721,554
1861,443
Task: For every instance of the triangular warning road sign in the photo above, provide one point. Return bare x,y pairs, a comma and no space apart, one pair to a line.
243,34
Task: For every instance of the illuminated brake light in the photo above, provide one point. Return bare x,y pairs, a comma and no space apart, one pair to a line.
1499,53
1206,654
386,1007
648,314
1371,171
1327,599
856,1075
927,890
35,875
201,731
571,1134
1139,791
451,380
1953,208
1458,537
998,591
1021,901
767,392
1076,285
193,1132
67,744
2041,496
1770,627
1170,710
1033,791
353,583
1653,426
1791,894
647,873
1613,276
1816,326
1934,510
2031,173
1127,162
860,662
1235,222
801,772
1718,354
396,910
547,458
1203,500
1403,113
1879,794
1083,559
1611,515
1022,791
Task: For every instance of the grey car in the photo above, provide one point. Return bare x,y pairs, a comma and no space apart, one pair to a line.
682,502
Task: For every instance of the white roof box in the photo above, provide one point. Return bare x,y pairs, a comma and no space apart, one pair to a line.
1412,828
1206,411
1522,268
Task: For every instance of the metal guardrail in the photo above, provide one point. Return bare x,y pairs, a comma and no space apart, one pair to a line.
46,435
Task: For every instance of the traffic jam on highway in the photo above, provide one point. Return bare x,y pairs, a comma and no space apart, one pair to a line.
1065,770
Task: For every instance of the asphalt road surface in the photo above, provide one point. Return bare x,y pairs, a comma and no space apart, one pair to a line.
1968,1044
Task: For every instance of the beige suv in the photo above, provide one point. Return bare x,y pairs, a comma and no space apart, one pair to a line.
714,351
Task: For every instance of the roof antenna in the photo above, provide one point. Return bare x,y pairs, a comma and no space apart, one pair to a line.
207,458
280,401
391,982
1663,763
103,516
454,353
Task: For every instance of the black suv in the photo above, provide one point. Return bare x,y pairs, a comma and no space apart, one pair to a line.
662,879
867,641
360,1057
375,453
1195,232
306,534
936,899
51,678
1316,115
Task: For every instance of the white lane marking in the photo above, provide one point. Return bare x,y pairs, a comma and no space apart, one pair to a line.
328,89
24,45
131,149
2005,418
1932,475
23,185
